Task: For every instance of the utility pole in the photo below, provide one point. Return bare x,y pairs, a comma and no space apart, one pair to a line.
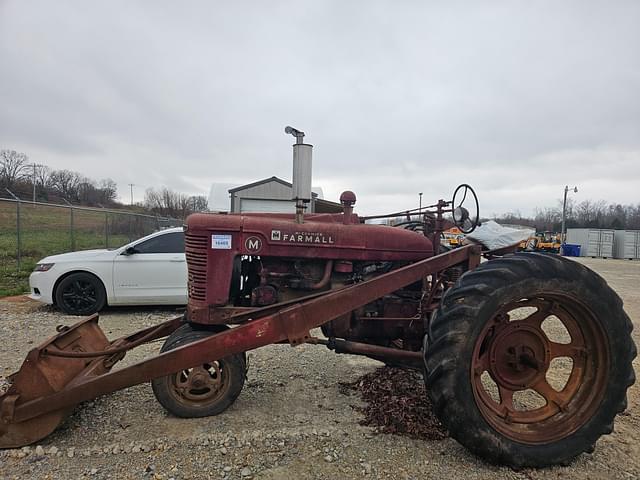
420,195
131,185
564,214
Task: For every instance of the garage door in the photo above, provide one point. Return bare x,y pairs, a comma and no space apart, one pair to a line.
269,206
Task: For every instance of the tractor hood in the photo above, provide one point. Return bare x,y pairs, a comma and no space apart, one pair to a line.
325,236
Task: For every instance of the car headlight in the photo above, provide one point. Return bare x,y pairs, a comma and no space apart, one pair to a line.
43,267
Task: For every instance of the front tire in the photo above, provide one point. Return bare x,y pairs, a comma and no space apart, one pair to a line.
80,293
490,356
201,391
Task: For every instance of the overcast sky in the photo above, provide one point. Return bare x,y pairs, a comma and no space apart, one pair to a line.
516,98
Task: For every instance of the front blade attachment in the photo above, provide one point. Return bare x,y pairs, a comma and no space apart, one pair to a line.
41,375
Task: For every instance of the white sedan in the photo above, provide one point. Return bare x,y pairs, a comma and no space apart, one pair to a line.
148,271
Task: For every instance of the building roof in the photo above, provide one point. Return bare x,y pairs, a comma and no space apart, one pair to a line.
262,182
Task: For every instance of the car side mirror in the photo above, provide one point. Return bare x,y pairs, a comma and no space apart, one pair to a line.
130,251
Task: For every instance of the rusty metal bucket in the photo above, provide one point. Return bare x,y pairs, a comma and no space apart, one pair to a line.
69,359
41,375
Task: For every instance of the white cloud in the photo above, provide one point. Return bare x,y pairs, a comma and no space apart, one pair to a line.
517,100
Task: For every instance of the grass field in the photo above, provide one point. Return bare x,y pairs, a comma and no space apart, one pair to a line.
46,231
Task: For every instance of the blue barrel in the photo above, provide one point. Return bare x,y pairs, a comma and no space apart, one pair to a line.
571,250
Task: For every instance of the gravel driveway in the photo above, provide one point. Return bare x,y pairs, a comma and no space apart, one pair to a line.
292,420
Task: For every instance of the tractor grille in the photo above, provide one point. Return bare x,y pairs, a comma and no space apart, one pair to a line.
196,253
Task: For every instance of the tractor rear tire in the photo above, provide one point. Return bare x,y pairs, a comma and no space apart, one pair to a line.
487,352
202,391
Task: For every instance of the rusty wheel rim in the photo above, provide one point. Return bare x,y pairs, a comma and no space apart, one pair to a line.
513,359
201,385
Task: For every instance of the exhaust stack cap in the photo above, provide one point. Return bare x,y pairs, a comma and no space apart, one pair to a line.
296,133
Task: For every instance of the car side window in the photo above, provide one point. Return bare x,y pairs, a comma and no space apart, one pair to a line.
168,243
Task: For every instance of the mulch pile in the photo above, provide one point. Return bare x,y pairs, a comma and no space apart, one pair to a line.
397,403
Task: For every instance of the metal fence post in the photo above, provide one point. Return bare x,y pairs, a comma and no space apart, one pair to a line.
18,236
71,227
18,228
106,226
73,232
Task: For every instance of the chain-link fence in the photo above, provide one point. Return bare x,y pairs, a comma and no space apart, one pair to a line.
31,231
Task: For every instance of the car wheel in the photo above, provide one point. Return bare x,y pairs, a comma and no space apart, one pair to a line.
80,293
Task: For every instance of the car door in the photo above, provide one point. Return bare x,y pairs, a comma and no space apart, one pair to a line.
154,271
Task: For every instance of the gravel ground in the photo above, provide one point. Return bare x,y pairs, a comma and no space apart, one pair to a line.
294,418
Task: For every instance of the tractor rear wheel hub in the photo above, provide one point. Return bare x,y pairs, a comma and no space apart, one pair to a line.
519,355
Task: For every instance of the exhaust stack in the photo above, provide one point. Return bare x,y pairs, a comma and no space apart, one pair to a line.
301,178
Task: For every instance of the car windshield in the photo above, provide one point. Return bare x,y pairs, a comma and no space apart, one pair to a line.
121,242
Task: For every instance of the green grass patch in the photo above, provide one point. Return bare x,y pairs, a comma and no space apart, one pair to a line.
47,231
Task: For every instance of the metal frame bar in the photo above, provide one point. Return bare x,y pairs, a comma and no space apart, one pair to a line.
89,209
292,323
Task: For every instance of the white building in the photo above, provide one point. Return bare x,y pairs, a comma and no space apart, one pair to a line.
271,195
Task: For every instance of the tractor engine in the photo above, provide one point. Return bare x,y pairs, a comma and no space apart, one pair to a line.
241,262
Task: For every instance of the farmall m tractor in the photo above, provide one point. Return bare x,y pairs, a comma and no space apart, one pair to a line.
527,357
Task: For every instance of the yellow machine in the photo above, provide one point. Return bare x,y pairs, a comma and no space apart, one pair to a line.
549,242
453,237
542,242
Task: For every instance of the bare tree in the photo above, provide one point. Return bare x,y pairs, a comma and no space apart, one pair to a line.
632,217
43,176
184,203
86,193
162,201
66,182
108,190
198,203
12,167
167,202
547,219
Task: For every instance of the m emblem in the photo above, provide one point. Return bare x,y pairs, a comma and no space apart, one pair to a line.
253,244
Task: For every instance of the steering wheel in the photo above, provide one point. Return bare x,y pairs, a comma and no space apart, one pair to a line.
465,221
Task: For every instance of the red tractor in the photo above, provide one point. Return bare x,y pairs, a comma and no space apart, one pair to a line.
485,334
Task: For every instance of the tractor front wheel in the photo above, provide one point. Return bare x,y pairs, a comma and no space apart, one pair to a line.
528,360
202,391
